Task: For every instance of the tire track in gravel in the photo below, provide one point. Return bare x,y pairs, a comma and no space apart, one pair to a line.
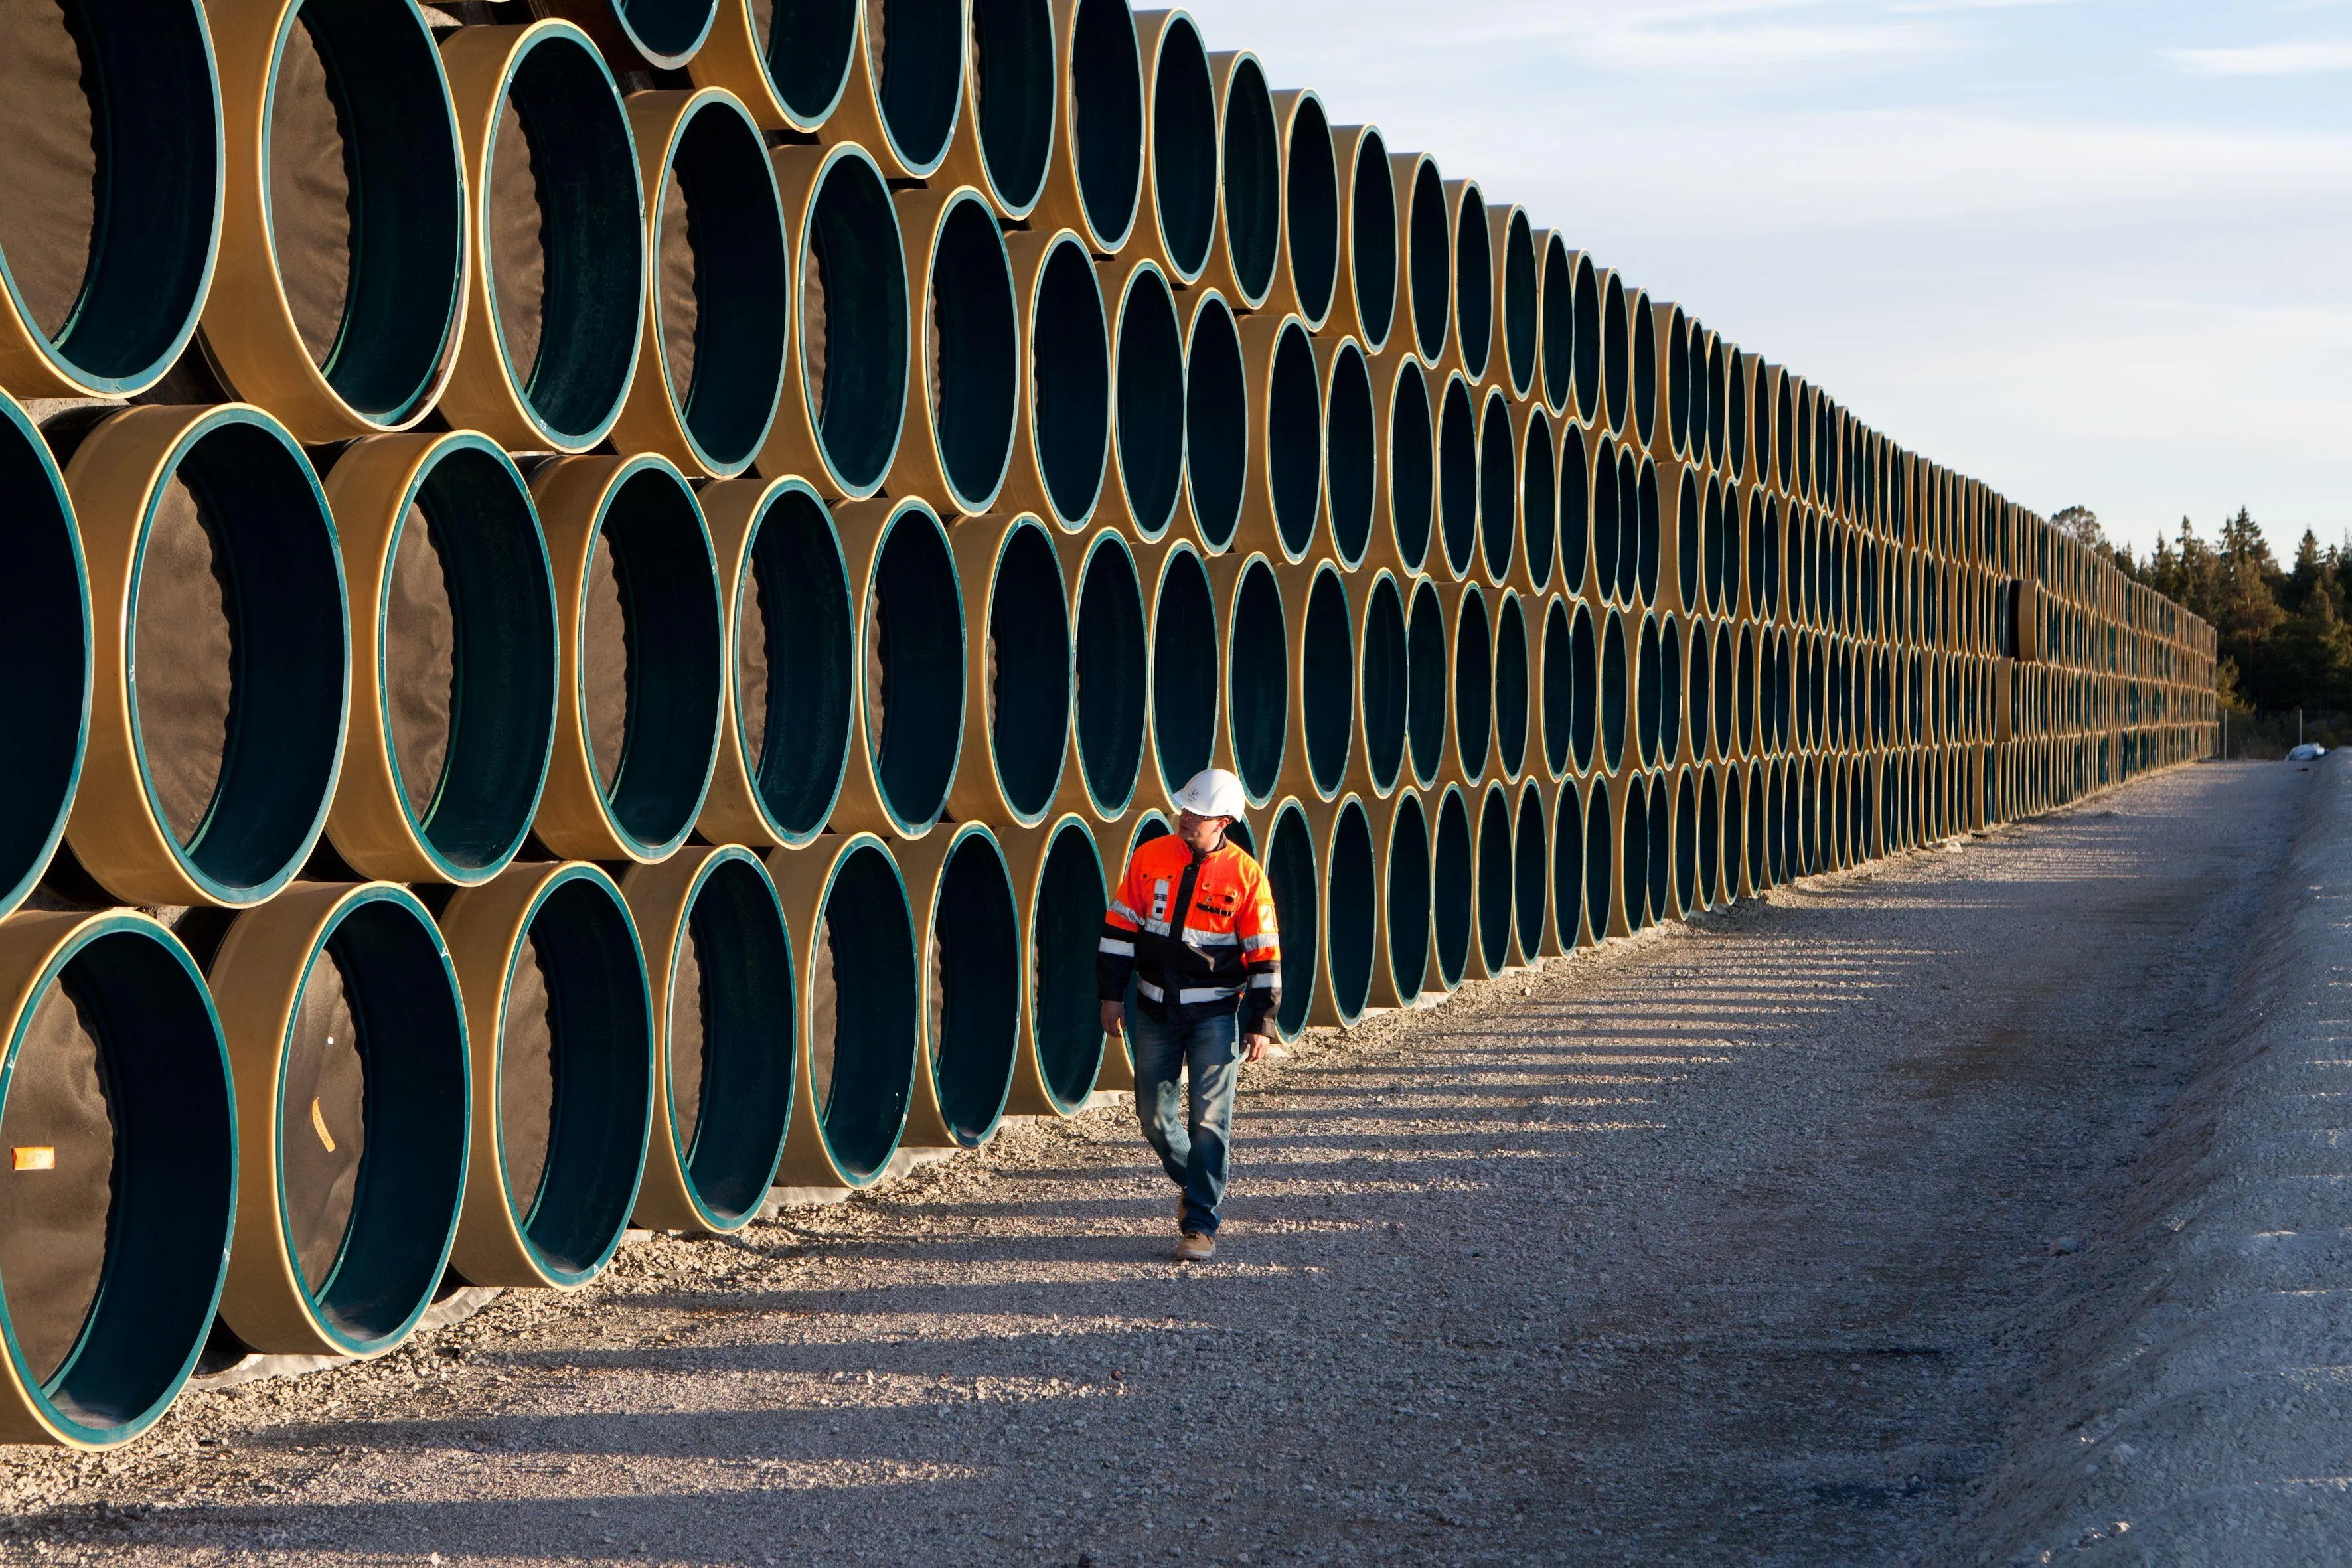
1733,1242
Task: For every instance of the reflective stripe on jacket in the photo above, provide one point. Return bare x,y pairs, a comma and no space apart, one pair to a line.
1199,936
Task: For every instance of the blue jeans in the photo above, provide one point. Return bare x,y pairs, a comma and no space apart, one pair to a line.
1197,1153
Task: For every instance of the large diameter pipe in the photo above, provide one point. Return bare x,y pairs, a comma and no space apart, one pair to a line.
1558,694
1003,141
1282,495
1632,793
791,645
1511,242
1401,957
348,1040
642,676
1366,306
788,60
220,690
1453,888
1471,338
1180,162
556,267
121,1182
1247,252
1512,687
710,368
860,1025
1404,518
1351,446
1574,500
1254,726
1110,675
114,236
1470,681
1690,878
1186,668
1216,423
1650,695
1672,335
636,35
1458,477
847,381
46,636
1429,656
1063,892
907,747
1610,570
338,292
967,927
1564,929
1383,685
1061,448
1556,324
1540,519
1147,478
454,659
559,1020
1615,338
1323,674
1335,985
719,961
1094,181
906,91
1531,853
1498,489
958,444
1642,319
1307,280
1424,254
1497,898
1017,656
1660,857
1293,877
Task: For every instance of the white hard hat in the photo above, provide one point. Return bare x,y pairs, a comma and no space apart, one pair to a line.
1214,792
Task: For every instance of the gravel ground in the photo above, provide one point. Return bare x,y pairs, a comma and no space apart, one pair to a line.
1748,1240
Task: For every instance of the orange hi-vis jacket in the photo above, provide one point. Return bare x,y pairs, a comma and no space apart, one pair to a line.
1198,936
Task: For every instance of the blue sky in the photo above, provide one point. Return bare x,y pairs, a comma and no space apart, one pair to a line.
2088,251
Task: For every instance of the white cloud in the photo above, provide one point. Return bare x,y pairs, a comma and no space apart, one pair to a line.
2304,57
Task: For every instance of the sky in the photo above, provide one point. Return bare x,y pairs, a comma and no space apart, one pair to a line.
2093,253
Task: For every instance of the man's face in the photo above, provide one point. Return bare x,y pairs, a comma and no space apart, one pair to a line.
1202,833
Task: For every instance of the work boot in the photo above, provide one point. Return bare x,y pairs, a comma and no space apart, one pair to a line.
1196,1247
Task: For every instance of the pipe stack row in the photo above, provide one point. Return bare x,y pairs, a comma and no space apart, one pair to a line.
599,589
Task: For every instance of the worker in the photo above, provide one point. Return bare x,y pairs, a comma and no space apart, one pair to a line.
1193,923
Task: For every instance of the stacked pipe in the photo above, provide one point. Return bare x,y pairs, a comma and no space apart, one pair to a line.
600,597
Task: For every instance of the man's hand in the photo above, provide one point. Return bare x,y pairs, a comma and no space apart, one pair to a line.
1114,1019
1258,1044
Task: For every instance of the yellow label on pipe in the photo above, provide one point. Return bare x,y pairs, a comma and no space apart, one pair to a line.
37,1157
318,1124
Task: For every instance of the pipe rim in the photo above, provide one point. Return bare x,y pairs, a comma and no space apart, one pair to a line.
1327,664
1151,337
1499,488
917,117
597,350
924,784
1531,852
295,720
731,404
1572,503
1458,477
1067,348
1117,755
650,808
1106,57
1014,101
1556,325
410,1182
795,822
1288,837
1474,280
1452,905
1429,257
1568,868
1071,1010
1289,431
1028,800
37,793
1383,666
1428,661
973,1107
1184,574
1498,878
1216,403
1310,205
1471,664
887,1010
1346,973
1517,318
1254,620
970,352
1409,466
1371,187
190,1202
1539,499
1187,237
1512,687
1249,172
858,449
1351,453
164,276
503,786
805,97
1406,855
728,1181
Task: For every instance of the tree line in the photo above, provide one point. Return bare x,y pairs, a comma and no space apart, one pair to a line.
2282,638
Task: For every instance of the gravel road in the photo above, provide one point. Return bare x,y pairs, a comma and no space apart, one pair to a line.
1739,1242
